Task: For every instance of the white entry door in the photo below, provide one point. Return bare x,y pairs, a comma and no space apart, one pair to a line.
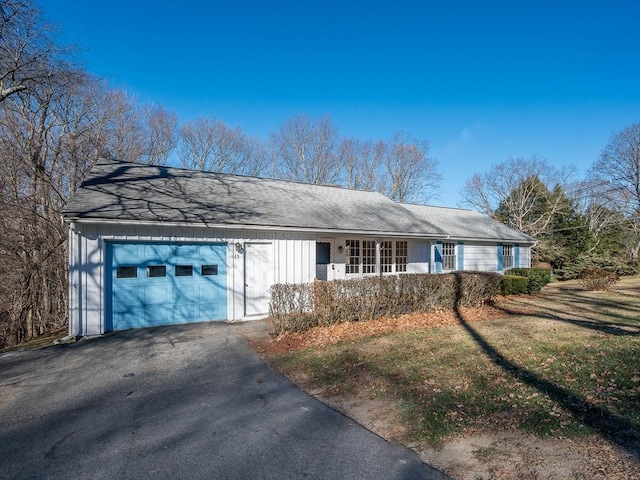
258,277
325,261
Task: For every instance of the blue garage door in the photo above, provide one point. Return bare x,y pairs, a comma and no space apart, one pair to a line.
153,284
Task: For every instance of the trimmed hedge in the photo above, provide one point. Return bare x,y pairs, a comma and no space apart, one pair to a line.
296,308
514,284
538,277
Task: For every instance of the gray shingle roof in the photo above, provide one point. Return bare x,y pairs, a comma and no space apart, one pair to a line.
466,224
125,191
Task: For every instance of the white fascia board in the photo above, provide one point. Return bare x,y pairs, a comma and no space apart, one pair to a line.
146,223
531,241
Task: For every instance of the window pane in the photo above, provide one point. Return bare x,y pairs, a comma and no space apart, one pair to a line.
157,271
507,256
184,270
368,256
386,256
127,272
209,270
352,256
401,256
449,256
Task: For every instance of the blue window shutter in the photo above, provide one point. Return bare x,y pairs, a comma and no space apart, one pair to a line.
438,256
516,256
460,256
500,259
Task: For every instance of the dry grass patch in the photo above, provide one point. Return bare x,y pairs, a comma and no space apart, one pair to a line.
560,368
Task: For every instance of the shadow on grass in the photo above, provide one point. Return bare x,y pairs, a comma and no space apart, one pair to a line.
610,328
621,431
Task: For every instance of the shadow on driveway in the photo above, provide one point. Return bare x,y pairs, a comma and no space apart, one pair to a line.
189,401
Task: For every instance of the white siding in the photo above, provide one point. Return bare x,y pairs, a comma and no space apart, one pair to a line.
419,256
525,256
484,256
481,257
294,260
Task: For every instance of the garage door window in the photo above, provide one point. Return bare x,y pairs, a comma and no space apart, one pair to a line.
127,272
184,270
157,271
209,270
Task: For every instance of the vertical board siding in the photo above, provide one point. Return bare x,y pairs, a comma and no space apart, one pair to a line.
294,258
293,261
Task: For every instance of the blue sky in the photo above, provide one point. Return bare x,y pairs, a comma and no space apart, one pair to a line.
481,81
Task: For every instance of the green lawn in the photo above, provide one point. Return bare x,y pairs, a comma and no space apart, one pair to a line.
566,363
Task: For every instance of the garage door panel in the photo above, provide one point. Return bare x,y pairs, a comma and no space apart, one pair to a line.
211,309
186,293
183,295
186,310
128,254
158,295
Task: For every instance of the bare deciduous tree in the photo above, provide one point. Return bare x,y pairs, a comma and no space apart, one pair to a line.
161,131
50,136
361,162
411,175
519,192
305,150
27,50
211,145
618,170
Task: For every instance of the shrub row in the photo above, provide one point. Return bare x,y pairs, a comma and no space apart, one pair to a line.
514,285
575,269
296,308
537,278
598,279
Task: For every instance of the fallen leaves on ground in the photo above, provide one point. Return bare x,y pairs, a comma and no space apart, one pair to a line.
348,331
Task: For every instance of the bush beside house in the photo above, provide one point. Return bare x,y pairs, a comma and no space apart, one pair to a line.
537,278
514,285
296,308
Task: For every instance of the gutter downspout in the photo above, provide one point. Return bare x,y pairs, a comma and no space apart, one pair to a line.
430,242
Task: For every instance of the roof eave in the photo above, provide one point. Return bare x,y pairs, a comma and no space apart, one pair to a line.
532,241
290,228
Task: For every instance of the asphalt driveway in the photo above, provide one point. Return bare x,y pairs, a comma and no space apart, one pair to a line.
191,401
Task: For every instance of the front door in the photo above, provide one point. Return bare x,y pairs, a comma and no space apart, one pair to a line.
325,263
258,277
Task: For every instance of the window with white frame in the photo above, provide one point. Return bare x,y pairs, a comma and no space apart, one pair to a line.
507,256
368,256
360,257
401,255
449,256
386,256
352,259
